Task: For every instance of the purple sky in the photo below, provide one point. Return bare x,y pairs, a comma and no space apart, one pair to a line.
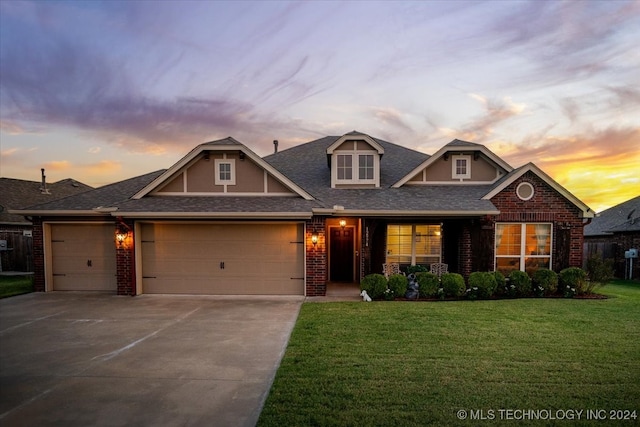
102,91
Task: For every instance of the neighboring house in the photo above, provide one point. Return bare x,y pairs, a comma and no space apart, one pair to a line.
16,230
223,220
613,232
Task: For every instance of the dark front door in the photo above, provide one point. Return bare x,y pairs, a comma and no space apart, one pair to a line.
341,253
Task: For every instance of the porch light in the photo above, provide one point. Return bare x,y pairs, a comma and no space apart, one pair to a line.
314,238
121,235
343,223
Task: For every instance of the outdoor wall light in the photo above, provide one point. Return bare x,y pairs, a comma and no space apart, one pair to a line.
121,236
314,238
343,223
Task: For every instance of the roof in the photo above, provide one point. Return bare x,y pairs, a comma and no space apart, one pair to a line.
304,170
304,164
19,193
89,201
624,217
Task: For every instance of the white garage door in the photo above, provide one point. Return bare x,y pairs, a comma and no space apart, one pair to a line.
83,257
236,259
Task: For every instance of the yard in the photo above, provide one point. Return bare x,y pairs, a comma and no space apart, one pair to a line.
15,285
530,361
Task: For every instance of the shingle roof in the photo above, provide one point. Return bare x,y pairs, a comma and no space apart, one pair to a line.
18,193
306,165
105,196
624,217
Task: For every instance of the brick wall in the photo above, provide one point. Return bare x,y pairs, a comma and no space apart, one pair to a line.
546,205
38,255
316,258
125,261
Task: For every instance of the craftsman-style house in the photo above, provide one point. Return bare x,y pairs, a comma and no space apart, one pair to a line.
223,220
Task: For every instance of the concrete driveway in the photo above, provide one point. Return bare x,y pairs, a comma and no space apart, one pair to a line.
78,359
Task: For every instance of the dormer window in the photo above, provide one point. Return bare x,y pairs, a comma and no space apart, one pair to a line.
461,167
355,161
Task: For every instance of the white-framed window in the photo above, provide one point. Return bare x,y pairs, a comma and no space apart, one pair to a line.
365,167
414,244
525,191
523,246
344,167
225,173
461,167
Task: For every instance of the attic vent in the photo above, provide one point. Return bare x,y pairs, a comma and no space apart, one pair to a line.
525,191
275,146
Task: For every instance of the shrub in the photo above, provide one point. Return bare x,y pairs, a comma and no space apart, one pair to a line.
452,284
428,284
398,285
484,282
600,271
501,283
417,269
520,283
573,279
545,279
375,284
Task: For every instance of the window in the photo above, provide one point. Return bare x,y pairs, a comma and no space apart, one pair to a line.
365,166
225,172
413,244
521,246
344,167
461,167
525,191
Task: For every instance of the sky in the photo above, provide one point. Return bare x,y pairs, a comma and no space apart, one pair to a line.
104,91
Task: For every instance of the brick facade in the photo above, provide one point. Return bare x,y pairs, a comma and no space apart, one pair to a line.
125,260
546,205
316,258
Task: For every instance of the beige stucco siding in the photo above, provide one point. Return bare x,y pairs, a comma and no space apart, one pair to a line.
441,171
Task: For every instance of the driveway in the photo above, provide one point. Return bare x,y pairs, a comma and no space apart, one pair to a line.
78,359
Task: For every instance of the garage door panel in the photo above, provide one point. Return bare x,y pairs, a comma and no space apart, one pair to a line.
83,257
258,259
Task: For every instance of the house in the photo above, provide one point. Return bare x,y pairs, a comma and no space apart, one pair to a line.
16,230
612,233
223,220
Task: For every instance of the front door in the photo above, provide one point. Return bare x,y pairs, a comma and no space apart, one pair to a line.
341,254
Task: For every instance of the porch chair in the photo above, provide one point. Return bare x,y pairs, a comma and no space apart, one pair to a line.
390,268
439,268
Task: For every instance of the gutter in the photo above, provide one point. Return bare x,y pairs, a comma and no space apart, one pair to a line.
396,213
226,215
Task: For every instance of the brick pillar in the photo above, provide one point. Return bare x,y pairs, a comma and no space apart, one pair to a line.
465,251
125,260
316,258
38,255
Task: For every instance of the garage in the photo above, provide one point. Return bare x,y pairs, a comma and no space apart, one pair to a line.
82,257
218,259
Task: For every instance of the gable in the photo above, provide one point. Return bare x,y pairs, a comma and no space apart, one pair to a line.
354,160
458,162
222,168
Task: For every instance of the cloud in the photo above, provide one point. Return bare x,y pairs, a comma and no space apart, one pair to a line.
94,150
104,167
497,111
391,117
58,165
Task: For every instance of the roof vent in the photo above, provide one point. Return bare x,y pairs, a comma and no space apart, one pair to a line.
275,146
43,186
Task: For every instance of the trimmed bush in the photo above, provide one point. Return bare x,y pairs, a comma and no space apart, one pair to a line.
482,284
501,283
428,284
600,271
546,279
375,284
398,285
521,283
452,284
574,279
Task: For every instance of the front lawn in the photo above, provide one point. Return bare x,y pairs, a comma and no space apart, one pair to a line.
15,285
433,363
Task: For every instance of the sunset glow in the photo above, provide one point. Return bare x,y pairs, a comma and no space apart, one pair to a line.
104,91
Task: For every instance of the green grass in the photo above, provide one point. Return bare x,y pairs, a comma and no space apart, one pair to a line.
15,285
418,363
